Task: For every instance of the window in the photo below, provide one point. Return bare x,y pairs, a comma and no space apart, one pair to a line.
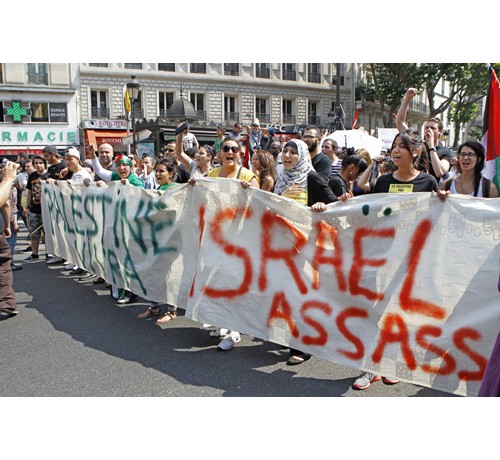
166,67
198,68
37,74
98,104
262,71
314,73
334,77
98,64
166,99
288,72
232,69
133,66
1,112
39,112
198,101
261,111
58,112
288,116
1,72
230,113
313,113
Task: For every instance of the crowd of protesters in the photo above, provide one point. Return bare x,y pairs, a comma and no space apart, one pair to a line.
309,168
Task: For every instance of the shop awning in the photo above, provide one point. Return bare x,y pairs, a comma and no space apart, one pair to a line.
98,136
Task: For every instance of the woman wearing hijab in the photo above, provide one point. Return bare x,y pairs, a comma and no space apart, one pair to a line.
299,181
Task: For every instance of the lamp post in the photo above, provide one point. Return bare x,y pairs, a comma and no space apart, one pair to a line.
331,119
133,94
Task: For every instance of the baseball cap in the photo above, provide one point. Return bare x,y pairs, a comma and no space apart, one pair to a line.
73,152
50,149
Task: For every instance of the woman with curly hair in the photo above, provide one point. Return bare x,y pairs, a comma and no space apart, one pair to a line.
265,168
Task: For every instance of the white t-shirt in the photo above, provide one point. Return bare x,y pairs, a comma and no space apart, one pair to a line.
189,141
79,176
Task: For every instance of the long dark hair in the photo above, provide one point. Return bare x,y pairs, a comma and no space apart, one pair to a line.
353,158
481,157
412,140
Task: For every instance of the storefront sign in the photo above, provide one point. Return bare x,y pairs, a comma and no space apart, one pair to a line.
58,112
38,135
104,124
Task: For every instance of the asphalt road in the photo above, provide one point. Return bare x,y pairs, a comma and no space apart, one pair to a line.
71,339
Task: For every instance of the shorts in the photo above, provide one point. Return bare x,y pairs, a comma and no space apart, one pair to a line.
35,225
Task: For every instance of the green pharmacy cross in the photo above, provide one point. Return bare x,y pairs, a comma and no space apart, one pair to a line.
17,112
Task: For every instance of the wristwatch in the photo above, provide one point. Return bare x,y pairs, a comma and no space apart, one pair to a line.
432,148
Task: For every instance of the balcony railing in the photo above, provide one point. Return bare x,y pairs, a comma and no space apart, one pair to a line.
314,120
198,68
289,75
263,117
99,112
262,72
232,116
138,113
418,106
314,78
202,115
289,119
38,78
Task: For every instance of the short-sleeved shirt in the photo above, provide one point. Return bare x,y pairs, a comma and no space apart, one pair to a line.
54,170
444,153
338,185
35,186
387,183
243,174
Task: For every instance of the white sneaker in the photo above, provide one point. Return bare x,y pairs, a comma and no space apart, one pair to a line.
220,332
69,266
229,341
55,260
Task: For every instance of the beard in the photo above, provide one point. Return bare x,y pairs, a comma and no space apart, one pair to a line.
312,148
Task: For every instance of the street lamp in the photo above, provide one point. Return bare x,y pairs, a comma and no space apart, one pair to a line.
133,94
331,118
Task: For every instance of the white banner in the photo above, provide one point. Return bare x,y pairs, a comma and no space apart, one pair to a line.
399,284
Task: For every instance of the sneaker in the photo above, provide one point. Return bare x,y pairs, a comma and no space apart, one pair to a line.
389,380
220,332
55,260
68,266
28,249
365,380
229,341
15,267
126,298
31,258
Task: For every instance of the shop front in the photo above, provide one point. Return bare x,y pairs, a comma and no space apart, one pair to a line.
111,132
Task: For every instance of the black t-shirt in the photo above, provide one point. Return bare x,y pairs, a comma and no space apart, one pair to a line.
318,190
338,185
444,153
322,165
54,170
182,175
387,183
35,185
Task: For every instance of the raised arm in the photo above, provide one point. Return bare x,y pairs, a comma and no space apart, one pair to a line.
401,115
179,152
104,174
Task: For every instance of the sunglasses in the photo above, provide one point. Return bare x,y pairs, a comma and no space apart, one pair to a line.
169,150
226,148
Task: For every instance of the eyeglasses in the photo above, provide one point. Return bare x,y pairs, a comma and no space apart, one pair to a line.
467,155
169,150
226,148
308,136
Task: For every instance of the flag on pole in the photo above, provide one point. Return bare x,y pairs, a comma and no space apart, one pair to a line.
126,102
355,122
491,130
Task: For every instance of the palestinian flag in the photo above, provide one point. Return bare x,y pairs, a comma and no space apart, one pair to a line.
491,130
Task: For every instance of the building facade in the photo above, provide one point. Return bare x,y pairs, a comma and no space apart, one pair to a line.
38,107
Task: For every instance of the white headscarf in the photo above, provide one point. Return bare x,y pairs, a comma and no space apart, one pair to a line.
298,174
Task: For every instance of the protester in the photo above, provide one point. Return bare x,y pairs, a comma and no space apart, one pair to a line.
9,222
406,148
254,138
439,156
123,172
202,163
329,148
470,180
34,206
219,138
188,140
264,167
148,174
352,165
236,134
166,170
230,169
320,162
300,182
8,305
